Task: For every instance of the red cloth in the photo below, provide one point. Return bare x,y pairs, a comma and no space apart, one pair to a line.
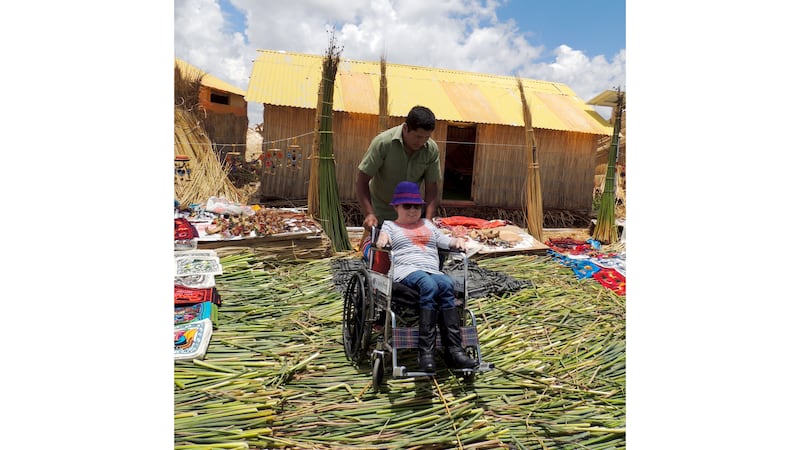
184,230
187,295
471,222
611,279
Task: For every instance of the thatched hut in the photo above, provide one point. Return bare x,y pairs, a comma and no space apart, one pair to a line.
480,129
221,109
210,122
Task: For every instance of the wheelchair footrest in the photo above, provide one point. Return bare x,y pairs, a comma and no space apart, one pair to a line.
403,373
485,367
408,337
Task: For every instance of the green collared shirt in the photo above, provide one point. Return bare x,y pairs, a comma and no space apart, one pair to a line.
388,163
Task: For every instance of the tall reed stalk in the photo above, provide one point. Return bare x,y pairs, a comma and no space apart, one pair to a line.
606,229
383,99
533,182
330,215
313,178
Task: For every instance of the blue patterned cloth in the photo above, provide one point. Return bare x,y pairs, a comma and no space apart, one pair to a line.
583,268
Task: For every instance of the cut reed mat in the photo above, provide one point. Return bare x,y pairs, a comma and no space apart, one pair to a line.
275,374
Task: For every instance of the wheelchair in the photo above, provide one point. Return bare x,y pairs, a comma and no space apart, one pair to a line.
380,318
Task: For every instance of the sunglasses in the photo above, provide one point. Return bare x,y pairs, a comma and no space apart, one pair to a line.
412,205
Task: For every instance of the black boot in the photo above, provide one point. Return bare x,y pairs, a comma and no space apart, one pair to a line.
427,339
450,327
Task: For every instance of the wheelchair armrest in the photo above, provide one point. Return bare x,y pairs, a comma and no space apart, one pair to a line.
459,281
444,253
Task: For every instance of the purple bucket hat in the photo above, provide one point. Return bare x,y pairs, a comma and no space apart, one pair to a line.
406,192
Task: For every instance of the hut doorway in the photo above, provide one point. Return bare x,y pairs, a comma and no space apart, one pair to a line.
458,162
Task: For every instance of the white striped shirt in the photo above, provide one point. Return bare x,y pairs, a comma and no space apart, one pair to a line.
415,247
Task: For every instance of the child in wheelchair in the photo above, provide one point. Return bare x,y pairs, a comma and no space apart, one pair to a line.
415,242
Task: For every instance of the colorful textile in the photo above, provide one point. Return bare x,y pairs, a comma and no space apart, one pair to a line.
184,230
607,269
583,268
615,263
471,222
611,279
188,295
569,246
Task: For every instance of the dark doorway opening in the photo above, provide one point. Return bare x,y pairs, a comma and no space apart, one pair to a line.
458,162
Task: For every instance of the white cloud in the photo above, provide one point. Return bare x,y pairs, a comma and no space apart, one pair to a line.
451,34
201,40
587,77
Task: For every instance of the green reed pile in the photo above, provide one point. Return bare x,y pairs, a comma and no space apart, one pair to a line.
275,374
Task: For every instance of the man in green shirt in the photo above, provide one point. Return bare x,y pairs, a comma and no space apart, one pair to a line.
403,153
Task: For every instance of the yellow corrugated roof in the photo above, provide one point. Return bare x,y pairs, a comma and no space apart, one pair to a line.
292,79
208,79
605,98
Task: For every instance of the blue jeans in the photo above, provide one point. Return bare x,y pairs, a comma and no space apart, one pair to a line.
432,287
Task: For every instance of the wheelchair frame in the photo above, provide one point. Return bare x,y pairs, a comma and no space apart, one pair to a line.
369,302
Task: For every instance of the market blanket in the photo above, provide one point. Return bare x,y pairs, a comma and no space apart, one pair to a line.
611,279
187,295
489,236
586,260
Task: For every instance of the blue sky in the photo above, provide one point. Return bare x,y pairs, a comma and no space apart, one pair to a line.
580,43
591,26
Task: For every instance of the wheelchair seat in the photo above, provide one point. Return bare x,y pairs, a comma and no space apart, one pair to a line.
380,317
404,296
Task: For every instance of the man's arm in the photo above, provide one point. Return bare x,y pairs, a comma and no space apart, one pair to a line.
431,199
365,200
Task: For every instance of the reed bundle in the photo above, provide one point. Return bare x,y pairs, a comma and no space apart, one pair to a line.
313,170
323,179
533,183
383,98
275,374
606,229
208,177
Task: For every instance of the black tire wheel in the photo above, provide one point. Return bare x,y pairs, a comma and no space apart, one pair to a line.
377,373
354,319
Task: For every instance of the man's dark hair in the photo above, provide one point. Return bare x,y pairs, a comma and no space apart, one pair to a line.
421,117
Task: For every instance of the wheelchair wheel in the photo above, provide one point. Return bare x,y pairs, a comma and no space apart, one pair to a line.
355,333
377,373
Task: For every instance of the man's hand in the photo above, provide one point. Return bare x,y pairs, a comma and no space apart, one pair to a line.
370,221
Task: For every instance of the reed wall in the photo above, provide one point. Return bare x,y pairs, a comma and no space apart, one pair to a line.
567,160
